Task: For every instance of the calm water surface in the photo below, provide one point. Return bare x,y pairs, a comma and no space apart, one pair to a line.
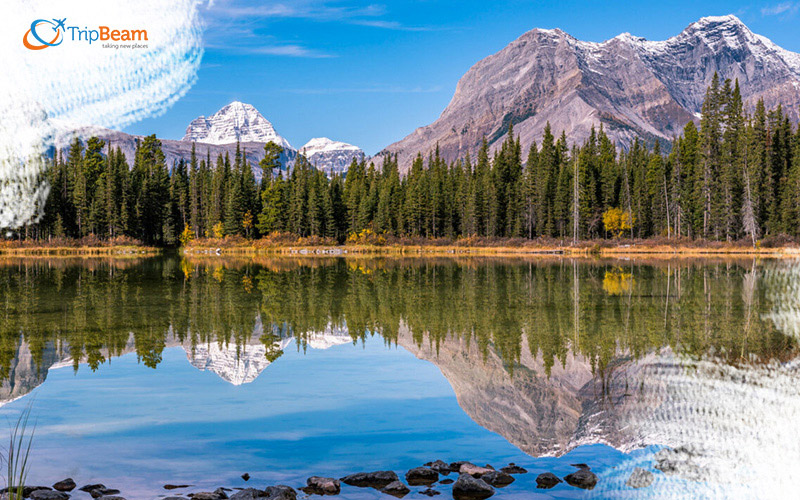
166,370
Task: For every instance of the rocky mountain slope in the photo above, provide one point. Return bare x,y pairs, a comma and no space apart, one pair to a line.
332,157
631,86
236,122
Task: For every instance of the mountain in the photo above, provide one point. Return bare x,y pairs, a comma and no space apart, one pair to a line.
219,133
174,150
332,157
631,86
236,122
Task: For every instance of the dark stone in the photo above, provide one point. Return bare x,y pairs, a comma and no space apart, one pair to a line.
171,486
173,498
422,476
640,478
440,466
547,480
581,466
513,468
582,478
26,490
316,485
217,494
89,487
430,492
101,492
48,494
497,479
280,492
396,489
247,494
446,481
246,476
456,466
377,479
470,488
65,485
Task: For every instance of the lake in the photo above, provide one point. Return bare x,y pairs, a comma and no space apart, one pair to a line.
141,373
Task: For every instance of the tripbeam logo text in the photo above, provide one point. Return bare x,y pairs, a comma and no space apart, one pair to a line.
45,33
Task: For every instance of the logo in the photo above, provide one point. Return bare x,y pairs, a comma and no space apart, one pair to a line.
39,35
40,42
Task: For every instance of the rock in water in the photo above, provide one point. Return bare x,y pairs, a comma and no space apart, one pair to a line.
440,466
446,481
48,495
247,494
246,476
421,476
101,492
474,470
65,485
640,478
377,479
583,478
167,486
497,479
396,489
89,487
322,486
547,480
429,492
26,490
210,495
467,487
513,468
280,492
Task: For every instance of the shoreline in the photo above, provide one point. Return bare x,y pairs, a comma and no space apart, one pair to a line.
589,251
532,248
122,251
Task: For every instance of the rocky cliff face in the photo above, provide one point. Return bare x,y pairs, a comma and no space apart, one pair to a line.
332,157
631,86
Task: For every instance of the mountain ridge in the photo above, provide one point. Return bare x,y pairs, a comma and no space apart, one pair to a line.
633,87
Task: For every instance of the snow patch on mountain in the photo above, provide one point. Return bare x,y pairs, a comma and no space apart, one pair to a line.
332,157
234,364
236,122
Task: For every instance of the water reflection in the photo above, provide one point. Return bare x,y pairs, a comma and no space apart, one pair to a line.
550,354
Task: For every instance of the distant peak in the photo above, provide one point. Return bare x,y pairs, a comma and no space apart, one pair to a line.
324,143
239,105
713,21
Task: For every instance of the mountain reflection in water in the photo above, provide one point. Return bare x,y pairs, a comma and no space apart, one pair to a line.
550,354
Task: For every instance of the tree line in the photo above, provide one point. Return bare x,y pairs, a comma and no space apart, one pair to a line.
735,177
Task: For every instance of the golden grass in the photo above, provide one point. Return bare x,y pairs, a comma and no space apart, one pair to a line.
79,251
594,251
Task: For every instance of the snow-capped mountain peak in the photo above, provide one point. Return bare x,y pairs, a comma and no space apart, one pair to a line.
332,157
236,121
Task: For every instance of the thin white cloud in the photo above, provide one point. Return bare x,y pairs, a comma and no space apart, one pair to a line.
291,50
370,15
367,90
785,8
390,25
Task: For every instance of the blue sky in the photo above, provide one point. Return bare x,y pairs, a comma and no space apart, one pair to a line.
369,73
